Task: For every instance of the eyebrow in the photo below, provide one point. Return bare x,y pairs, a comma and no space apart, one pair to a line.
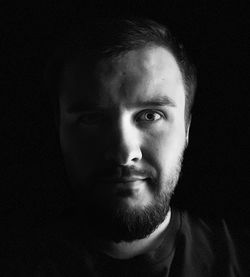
154,101
83,106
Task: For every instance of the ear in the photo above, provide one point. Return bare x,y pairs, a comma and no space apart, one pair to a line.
187,129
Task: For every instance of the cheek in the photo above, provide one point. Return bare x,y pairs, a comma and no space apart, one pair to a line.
164,147
78,148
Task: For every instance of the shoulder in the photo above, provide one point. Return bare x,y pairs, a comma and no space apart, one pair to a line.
209,243
204,230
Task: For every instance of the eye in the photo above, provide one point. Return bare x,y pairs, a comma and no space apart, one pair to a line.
90,118
149,116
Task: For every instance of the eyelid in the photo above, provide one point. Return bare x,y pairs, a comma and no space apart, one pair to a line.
97,116
161,113
101,115
91,111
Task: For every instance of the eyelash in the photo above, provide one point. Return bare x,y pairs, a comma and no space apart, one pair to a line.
86,118
99,117
150,112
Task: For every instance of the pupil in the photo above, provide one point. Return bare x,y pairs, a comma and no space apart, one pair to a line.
150,116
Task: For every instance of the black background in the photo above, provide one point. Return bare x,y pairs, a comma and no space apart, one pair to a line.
216,168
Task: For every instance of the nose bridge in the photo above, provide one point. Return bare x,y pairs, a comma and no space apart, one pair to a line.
125,141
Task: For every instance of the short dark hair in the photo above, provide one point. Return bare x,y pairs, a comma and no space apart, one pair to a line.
110,38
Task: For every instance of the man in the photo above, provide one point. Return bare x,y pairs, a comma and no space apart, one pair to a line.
123,92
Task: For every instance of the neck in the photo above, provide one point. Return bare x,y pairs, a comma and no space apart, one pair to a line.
127,250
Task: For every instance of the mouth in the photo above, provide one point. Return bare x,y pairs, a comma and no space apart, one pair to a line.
124,180
125,186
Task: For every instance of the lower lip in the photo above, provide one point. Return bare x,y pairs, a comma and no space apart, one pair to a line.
130,186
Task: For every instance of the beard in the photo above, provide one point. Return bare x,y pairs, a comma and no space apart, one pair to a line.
110,221
128,224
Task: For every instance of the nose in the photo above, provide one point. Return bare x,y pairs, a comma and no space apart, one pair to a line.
124,143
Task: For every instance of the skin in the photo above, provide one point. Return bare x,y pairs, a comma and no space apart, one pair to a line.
121,126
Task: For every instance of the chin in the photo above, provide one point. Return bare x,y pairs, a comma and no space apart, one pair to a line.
127,219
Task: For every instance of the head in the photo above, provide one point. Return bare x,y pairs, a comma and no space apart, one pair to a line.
124,98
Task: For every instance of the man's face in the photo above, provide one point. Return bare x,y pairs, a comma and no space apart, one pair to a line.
122,135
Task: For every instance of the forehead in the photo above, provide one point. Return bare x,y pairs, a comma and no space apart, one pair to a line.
131,77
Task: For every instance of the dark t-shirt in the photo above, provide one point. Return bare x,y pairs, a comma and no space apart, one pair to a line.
191,247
